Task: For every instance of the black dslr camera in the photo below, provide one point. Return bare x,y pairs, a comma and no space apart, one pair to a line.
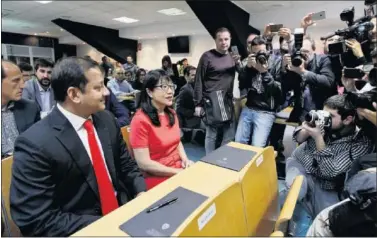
364,100
298,56
262,57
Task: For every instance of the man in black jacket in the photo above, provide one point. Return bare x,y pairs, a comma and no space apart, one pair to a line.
185,101
263,97
312,82
72,167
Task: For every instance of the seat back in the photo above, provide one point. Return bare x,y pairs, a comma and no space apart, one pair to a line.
286,212
6,175
126,130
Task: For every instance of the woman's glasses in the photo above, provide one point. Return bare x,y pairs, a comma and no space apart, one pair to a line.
165,87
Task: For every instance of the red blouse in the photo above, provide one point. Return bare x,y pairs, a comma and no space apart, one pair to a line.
162,142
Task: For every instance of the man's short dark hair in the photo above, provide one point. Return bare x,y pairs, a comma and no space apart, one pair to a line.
103,58
339,103
187,70
221,30
24,67
43,63
258,40
70,72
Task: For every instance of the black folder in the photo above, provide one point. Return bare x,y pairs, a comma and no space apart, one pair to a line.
164,221
229,157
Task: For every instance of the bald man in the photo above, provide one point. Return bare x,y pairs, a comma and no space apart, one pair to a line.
17,114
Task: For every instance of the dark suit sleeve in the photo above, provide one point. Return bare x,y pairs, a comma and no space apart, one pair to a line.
37,113
119,111
130,171
325,77
183,101
32,193
199,79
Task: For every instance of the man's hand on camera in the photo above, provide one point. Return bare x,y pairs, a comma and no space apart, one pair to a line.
251,61
355,46
298,70
314,132
285,33
307,21
368,114
262,68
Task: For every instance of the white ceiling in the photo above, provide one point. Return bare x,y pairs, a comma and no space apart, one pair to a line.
30,17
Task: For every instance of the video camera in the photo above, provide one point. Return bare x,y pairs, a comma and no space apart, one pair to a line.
364,100
323,117
357,29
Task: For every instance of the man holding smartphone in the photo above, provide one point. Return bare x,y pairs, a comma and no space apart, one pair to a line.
215,76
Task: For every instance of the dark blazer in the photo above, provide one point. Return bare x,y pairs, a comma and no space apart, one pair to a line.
53,187
186,108
26,113
120,112
31,92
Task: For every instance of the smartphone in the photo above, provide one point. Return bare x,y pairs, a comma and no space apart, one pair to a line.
353,73
234,50
319,16
276,27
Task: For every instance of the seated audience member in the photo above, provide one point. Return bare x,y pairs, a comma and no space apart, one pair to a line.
119,85
155,134
183,64
185,101
17,114
139,80
39,88
167,65
131,67
120,112
353,217
73,167
26,70
325,154
107,66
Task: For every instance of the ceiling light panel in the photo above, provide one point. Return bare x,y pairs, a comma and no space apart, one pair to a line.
125,19
172,12
44,2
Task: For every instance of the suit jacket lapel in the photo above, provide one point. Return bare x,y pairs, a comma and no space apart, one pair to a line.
72,142
37,93
104,137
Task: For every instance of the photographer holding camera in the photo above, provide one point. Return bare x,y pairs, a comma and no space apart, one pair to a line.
263,96
329,142
310,77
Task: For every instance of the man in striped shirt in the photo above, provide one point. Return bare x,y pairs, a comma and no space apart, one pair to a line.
323,158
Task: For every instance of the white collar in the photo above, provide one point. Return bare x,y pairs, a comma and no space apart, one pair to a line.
76,121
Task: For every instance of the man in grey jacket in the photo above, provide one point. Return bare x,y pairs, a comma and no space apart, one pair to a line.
38,89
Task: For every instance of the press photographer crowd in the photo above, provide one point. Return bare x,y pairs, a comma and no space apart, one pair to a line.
330,98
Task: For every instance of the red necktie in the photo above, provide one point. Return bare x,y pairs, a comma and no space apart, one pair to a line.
105,186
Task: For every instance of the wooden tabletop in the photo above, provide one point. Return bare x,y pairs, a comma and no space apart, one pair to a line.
284,121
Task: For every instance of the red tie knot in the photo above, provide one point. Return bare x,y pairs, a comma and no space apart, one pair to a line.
88,125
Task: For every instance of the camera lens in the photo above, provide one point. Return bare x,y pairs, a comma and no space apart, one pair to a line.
296,61
311,117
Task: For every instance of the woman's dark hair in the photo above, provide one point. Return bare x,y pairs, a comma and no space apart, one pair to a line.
70,72
152,79
168,59
139,72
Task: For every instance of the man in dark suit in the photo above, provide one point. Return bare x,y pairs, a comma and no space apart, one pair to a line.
38,89
17,114
72,167
185,101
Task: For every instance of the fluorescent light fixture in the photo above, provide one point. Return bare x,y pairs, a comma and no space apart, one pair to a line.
44,2
172,12
125,20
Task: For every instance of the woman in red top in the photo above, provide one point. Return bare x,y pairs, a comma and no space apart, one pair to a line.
155,133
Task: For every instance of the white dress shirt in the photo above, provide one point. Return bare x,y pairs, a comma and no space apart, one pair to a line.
78,124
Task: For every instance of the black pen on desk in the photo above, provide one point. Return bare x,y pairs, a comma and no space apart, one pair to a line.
168,202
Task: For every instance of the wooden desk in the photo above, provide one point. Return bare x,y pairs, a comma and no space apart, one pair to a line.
209,185
126,98
246,200
284,121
